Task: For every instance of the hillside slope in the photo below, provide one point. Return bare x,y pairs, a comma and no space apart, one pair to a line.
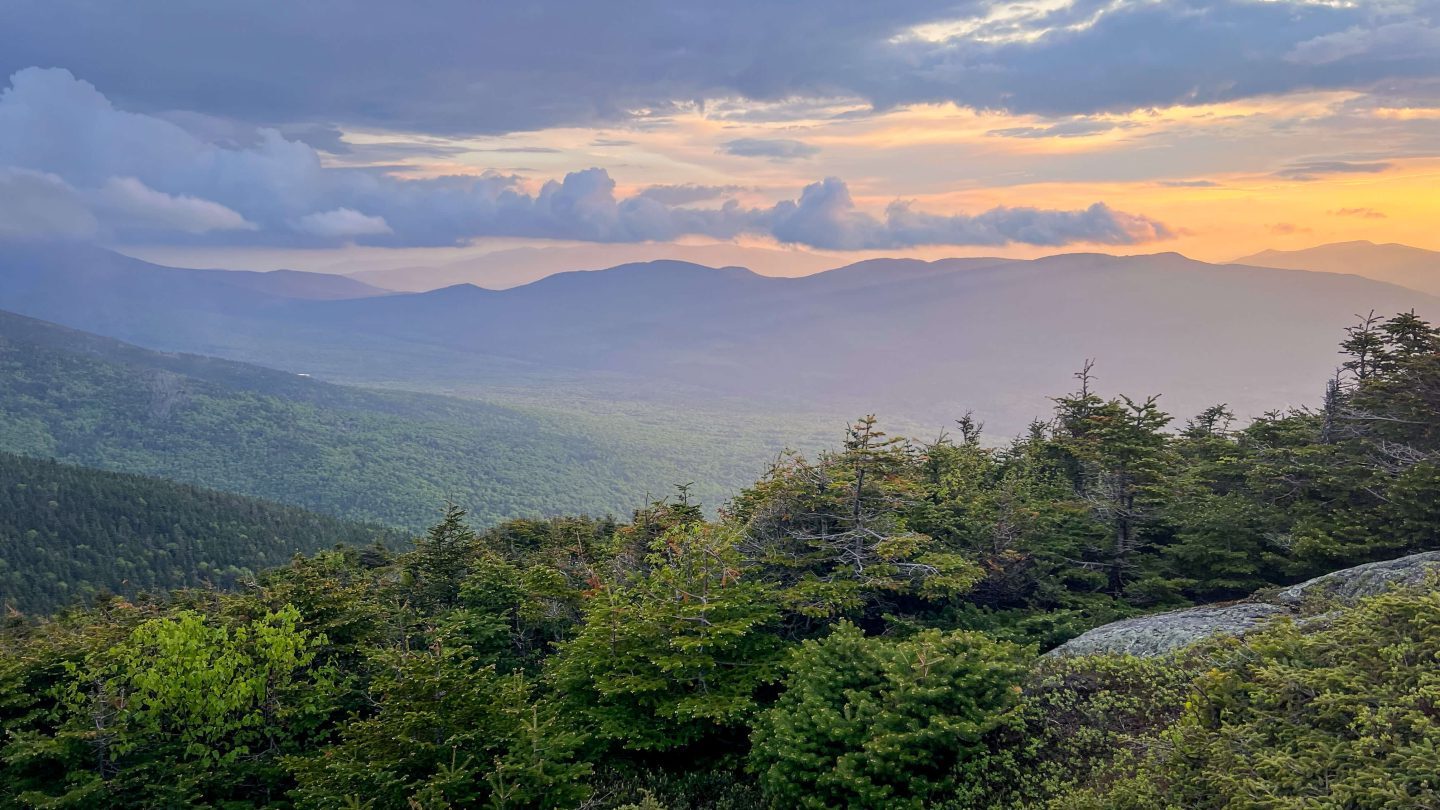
393,457
67,533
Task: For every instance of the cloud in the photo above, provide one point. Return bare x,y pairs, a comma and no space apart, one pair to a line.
1065,129
478,68
36,205
686,193
1189,184
1398,40
342,223
778,149
609,142
825,217
87,168
1363,213
1314,170
523,150
128,203
1286,228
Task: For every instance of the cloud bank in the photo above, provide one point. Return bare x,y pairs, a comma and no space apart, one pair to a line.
467,67
73,165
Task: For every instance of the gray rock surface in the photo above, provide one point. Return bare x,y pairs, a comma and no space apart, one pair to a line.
1161,633
1363,580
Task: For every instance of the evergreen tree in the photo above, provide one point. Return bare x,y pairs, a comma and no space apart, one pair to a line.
1365,345
680,654
872,723
441,560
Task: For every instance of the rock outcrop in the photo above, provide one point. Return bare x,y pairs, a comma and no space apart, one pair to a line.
1362,580
1161,633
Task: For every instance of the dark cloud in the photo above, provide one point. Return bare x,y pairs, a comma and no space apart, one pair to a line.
779,149
324,137
71,164
1315,169
467,67
609,142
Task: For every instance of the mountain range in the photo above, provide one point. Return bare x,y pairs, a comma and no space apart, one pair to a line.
511,268
924,341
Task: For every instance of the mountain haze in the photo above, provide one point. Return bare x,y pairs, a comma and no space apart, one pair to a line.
1406,266
393,457
922,341
516,266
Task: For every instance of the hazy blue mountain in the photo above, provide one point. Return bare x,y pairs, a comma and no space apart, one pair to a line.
1407,266
512,267
296,284
998,336
919,340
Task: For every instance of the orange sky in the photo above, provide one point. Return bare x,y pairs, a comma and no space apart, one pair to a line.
1224,177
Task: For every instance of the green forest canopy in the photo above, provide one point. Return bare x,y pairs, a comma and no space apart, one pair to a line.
390,457
68,534
856,629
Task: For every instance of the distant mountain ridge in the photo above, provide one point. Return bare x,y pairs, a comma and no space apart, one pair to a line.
921,340
1406,266
511,268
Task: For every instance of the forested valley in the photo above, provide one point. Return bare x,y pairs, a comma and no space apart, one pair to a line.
862,627
391,457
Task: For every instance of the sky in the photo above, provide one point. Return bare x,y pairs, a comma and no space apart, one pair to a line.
297,133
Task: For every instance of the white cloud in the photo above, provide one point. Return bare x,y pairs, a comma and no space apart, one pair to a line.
128,203
826,217
342,223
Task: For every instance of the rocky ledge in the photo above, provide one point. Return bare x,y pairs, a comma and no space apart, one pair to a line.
1161,633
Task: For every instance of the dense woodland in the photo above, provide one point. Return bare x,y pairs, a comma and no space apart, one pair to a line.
857,629
383,456
69,534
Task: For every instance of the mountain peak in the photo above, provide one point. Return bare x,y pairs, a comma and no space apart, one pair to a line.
1405,265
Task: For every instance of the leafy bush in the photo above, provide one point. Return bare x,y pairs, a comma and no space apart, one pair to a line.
1341,714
